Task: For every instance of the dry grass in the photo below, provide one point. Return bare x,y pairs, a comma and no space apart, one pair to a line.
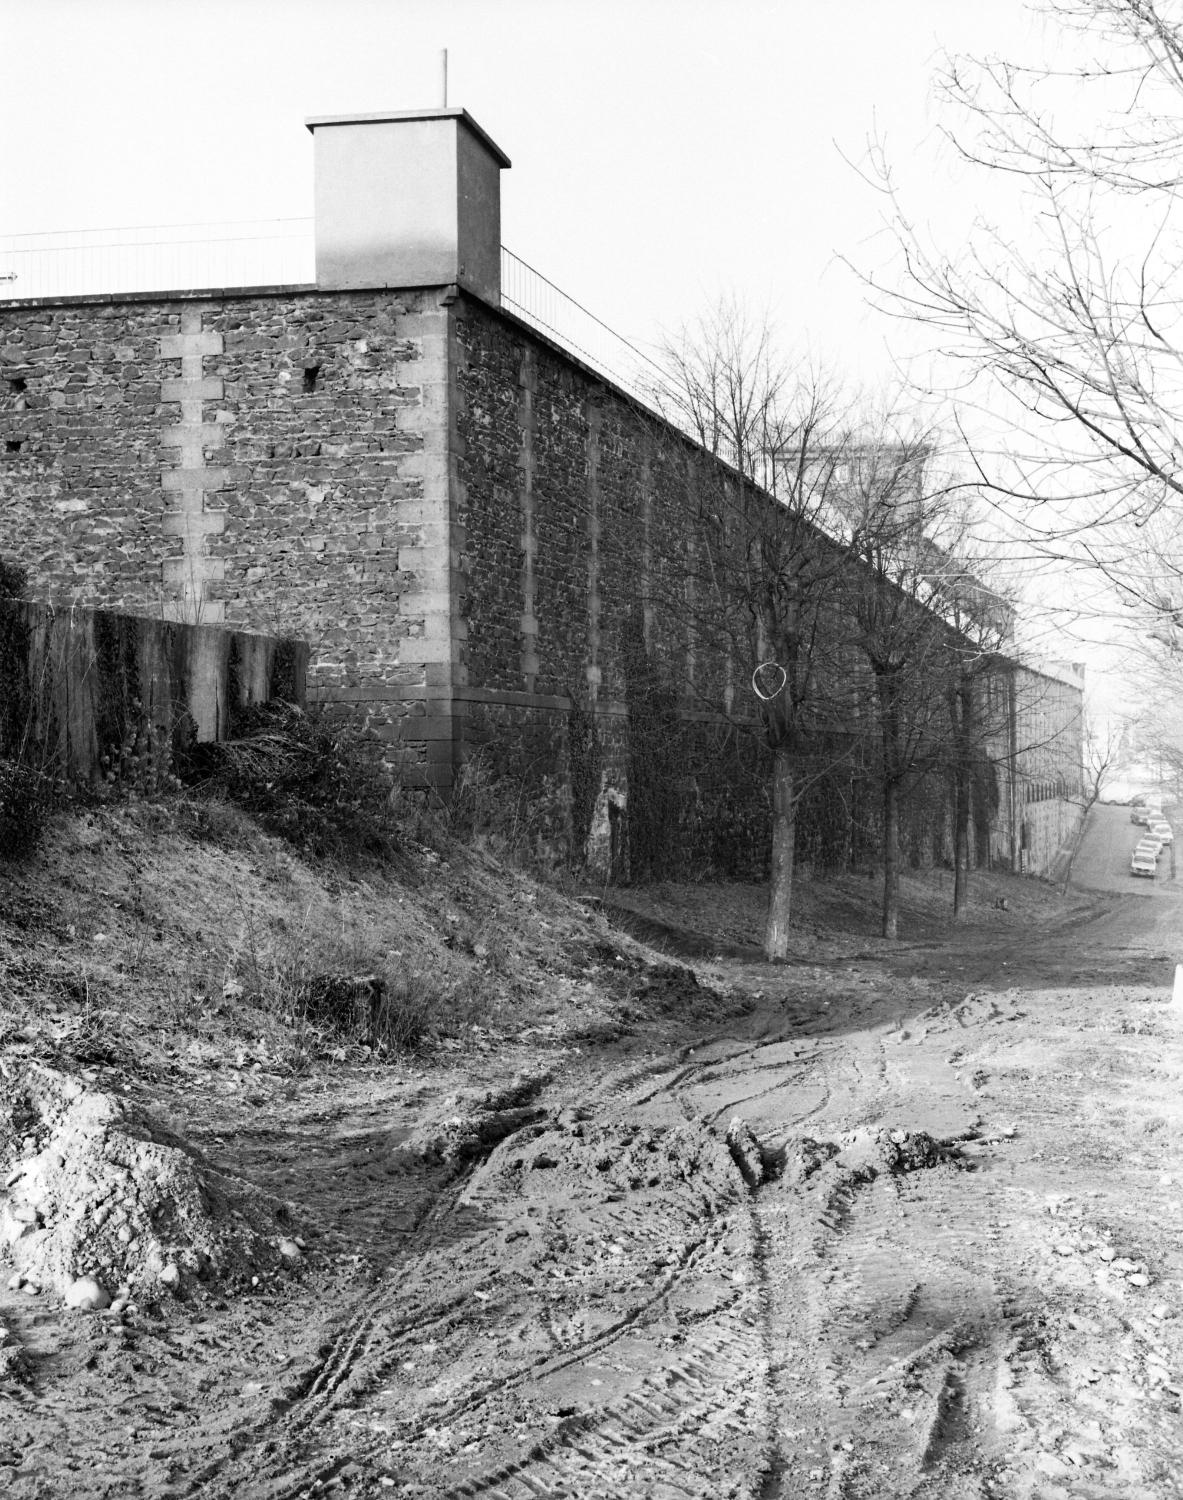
180,929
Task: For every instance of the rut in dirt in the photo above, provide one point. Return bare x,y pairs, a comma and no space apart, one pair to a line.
919,1248
638,1305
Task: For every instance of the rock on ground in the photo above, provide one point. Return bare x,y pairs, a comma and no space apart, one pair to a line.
94,1187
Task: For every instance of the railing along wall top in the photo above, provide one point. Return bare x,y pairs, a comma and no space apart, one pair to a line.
156,258
119,260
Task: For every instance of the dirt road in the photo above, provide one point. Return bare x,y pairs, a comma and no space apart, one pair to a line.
910,1228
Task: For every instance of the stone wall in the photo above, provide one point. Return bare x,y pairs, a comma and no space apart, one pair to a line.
1048,833
570,500
1038,750
488,547
274,462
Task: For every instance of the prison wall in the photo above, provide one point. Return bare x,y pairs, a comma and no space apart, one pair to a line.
488,547
273,462
1048,769
571,500
1037,751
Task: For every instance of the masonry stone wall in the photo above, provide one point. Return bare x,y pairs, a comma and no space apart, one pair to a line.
571,499
1040,756
1048,833
486,545
274,462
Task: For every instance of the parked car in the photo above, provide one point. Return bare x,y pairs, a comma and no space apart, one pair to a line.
1144,811
1160,829
1153,847
1143,864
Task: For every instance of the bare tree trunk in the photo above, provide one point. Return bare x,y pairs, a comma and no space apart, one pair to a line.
784,835
960,846
891,859
961,706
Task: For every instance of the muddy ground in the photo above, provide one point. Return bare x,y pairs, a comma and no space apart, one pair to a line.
890,1220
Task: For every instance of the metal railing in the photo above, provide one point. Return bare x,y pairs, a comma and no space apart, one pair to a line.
156,258
267,252
535,299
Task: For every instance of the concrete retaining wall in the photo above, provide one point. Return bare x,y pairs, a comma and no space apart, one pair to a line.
88,693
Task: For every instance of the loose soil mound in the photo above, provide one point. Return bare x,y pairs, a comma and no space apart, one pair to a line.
95,1187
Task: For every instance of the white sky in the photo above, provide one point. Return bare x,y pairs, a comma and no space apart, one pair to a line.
665,152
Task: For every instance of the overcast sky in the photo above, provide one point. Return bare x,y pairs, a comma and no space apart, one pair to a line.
665,151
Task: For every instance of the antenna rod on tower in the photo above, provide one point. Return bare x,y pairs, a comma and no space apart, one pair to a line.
444,77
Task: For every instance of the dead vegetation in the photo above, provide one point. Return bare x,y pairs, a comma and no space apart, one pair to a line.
242,1086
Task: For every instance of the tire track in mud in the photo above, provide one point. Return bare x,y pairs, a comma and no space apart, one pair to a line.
303,1397
693,1332
1086,1400
946,1354
826,1063
927,1341
694,1426
880,1339
881,1332
306,1395
834,1259
898,1334
848,1331
629,1087
618,1435
697,1416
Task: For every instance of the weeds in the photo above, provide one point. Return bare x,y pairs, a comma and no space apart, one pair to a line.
140,763
523,820
333,985
29,791
28,798
312,780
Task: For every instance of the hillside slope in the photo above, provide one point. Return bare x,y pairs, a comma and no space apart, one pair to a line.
294,1136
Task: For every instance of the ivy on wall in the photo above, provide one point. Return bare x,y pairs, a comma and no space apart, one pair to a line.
656,737
584,763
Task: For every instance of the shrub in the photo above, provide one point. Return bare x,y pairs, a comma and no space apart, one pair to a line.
524,817
408,1009
382,1008
27,798
14,580
28,792
312,779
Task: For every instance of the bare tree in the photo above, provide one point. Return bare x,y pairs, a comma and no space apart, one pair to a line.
894,599
1102,743
1075,311
759,577
979,682
829,565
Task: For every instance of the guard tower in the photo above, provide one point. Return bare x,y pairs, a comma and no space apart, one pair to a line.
407,198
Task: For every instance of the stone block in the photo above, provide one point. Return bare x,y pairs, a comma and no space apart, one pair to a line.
194,435
193,523
209,389
192,571
419,651
177,345
214,477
